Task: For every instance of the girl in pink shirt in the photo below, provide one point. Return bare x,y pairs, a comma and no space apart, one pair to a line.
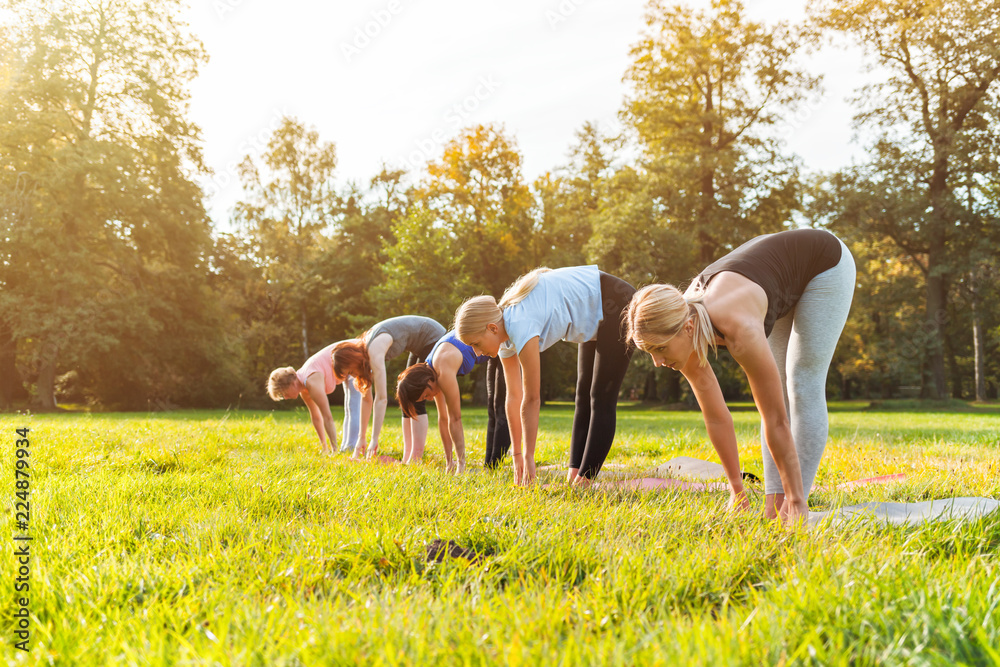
313,382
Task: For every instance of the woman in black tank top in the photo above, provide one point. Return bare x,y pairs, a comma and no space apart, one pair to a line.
778,303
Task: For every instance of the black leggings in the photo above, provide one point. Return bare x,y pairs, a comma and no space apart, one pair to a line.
601,366
497,430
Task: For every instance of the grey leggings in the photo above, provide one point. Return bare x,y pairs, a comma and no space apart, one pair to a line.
352,417
803,343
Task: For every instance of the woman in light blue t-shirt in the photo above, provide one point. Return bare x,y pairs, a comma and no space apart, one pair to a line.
577,304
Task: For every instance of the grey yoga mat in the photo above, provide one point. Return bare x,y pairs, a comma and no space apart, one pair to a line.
908,514
688,466
692,468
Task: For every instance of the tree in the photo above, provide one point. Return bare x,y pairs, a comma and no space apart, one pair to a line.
982,299
256,323
705,88
103,261
570,199
477,193
630,238
357,261
422,271
286,210
942,60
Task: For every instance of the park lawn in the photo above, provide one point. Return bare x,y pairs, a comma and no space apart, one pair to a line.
225,538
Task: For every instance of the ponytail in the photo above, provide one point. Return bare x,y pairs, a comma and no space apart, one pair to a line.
521,288
476,313
703,337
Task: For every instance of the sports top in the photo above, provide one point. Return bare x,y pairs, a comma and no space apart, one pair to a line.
782,264
469,358
410,333
322,363
564,305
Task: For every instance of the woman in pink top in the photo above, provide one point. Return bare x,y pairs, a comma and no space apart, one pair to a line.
314,381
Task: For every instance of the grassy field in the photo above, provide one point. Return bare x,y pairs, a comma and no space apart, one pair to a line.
224,538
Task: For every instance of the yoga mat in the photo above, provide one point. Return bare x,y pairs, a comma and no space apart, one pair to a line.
688,466
658,484
706,470
881,479
561,467
691,467
608,470
908,514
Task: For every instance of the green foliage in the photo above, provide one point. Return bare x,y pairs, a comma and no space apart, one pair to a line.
570,201
423,270
355,262
932,168
285,211
631,238
477,192
103,268
707,89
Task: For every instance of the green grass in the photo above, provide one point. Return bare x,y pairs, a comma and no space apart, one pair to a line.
224,538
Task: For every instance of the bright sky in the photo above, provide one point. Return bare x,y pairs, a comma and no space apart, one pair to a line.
393,80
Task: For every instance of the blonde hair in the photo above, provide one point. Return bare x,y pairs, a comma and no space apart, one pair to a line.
522,287
279,382
472,317
476,313
657,313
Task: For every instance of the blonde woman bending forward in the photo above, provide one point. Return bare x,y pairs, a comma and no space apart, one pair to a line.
581,305
778,303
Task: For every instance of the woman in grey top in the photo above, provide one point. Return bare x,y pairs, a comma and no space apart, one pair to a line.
367,357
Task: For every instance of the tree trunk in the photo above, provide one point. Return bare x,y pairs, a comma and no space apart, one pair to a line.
707,244
936,316
926,381
649,393
706,204
305,336
673,391
978,344
937,288
46,387
953,369
11,386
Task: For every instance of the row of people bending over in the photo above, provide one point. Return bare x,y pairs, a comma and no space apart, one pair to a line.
778,303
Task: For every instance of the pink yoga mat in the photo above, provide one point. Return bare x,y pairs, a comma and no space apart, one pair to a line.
881,479
658,484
